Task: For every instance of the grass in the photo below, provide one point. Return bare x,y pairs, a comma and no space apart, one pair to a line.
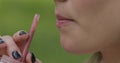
16,15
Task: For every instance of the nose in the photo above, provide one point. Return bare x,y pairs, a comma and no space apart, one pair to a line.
60,1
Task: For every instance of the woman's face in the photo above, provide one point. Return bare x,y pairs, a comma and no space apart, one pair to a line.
88,25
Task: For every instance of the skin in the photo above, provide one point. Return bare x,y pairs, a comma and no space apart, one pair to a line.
15,43
96,27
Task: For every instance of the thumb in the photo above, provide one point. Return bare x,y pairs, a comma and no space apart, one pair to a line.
31,58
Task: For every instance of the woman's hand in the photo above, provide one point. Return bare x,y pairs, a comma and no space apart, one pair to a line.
14,46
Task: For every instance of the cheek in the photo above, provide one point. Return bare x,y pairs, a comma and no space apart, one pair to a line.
85,7
84,4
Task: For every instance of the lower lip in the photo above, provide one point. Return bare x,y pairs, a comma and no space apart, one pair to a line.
63,23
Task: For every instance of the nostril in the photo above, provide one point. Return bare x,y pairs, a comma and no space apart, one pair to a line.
60,0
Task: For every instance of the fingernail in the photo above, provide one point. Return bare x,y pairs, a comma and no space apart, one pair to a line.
16,55
1,41
33,58
22,32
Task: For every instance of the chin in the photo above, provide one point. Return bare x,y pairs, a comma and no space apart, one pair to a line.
71,46
79,51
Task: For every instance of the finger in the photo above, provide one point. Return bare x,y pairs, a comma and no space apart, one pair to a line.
32,59
38,61
20,38
2,47
2,43
12,49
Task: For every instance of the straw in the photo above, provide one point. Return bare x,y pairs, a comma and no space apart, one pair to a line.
31,34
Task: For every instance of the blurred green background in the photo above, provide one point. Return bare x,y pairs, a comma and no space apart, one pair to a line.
18,15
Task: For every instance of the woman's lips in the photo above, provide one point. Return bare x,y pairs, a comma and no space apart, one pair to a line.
62,21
